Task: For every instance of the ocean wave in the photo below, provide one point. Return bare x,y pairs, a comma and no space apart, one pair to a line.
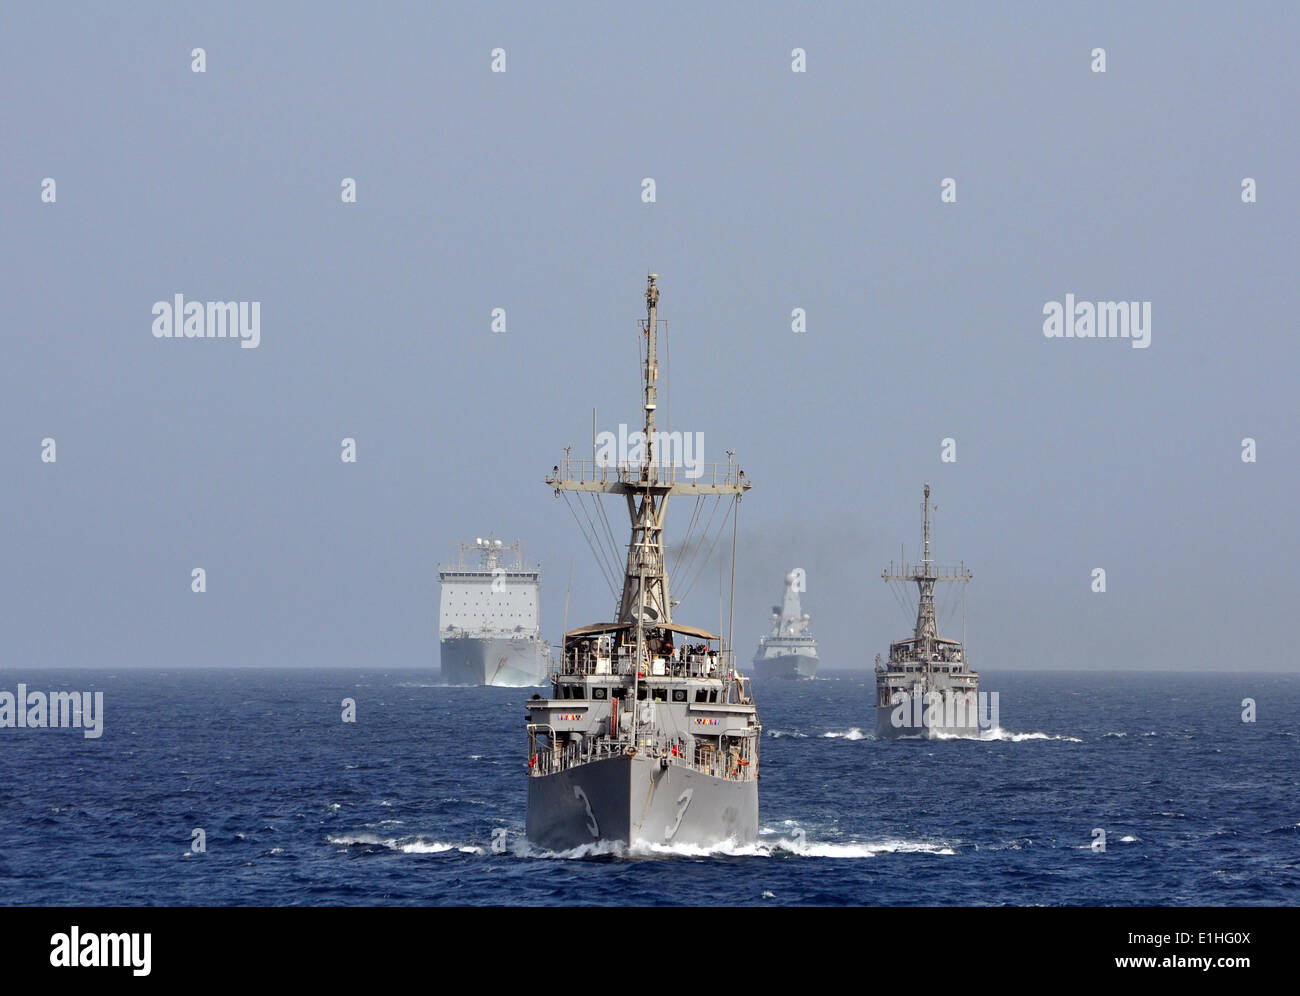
499,684
1016,844
911,847
997,733
787,733
768,831
853,733
404,845
780,848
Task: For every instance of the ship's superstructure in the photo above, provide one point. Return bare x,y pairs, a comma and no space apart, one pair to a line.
789,651
926,688
649,734
488,624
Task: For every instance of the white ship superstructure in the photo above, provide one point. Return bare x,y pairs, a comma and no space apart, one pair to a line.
488,624
789,651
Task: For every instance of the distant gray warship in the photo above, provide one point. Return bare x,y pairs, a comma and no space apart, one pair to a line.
487,619
926,689
649,735
789,651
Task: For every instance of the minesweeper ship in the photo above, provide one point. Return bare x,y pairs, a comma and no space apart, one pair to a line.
488,618
926,689
649,735
789,651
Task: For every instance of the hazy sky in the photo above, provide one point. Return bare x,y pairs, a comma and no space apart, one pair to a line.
522,190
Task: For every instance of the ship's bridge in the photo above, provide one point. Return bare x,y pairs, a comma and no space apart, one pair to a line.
671,651
670,691
910,654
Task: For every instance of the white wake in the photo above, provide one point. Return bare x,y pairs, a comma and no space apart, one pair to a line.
404,845
781,847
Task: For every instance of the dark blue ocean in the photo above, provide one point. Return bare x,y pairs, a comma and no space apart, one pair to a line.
401,807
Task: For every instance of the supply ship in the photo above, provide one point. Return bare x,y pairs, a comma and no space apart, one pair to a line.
488,618
649,734
926,688
789,651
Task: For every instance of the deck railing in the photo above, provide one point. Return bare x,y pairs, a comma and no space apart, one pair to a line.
599,472
549,756
578,661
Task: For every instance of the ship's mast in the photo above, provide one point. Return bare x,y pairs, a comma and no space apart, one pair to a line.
651,373
646,488
926,627
926,575
645,586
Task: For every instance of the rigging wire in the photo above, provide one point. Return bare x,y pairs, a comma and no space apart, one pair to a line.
704,536
668,379
609,535
894,589
948,611
617,553
721,528
685,543
599,562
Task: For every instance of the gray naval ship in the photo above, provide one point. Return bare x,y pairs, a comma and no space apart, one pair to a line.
488,618
926,689
789,651
649,734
